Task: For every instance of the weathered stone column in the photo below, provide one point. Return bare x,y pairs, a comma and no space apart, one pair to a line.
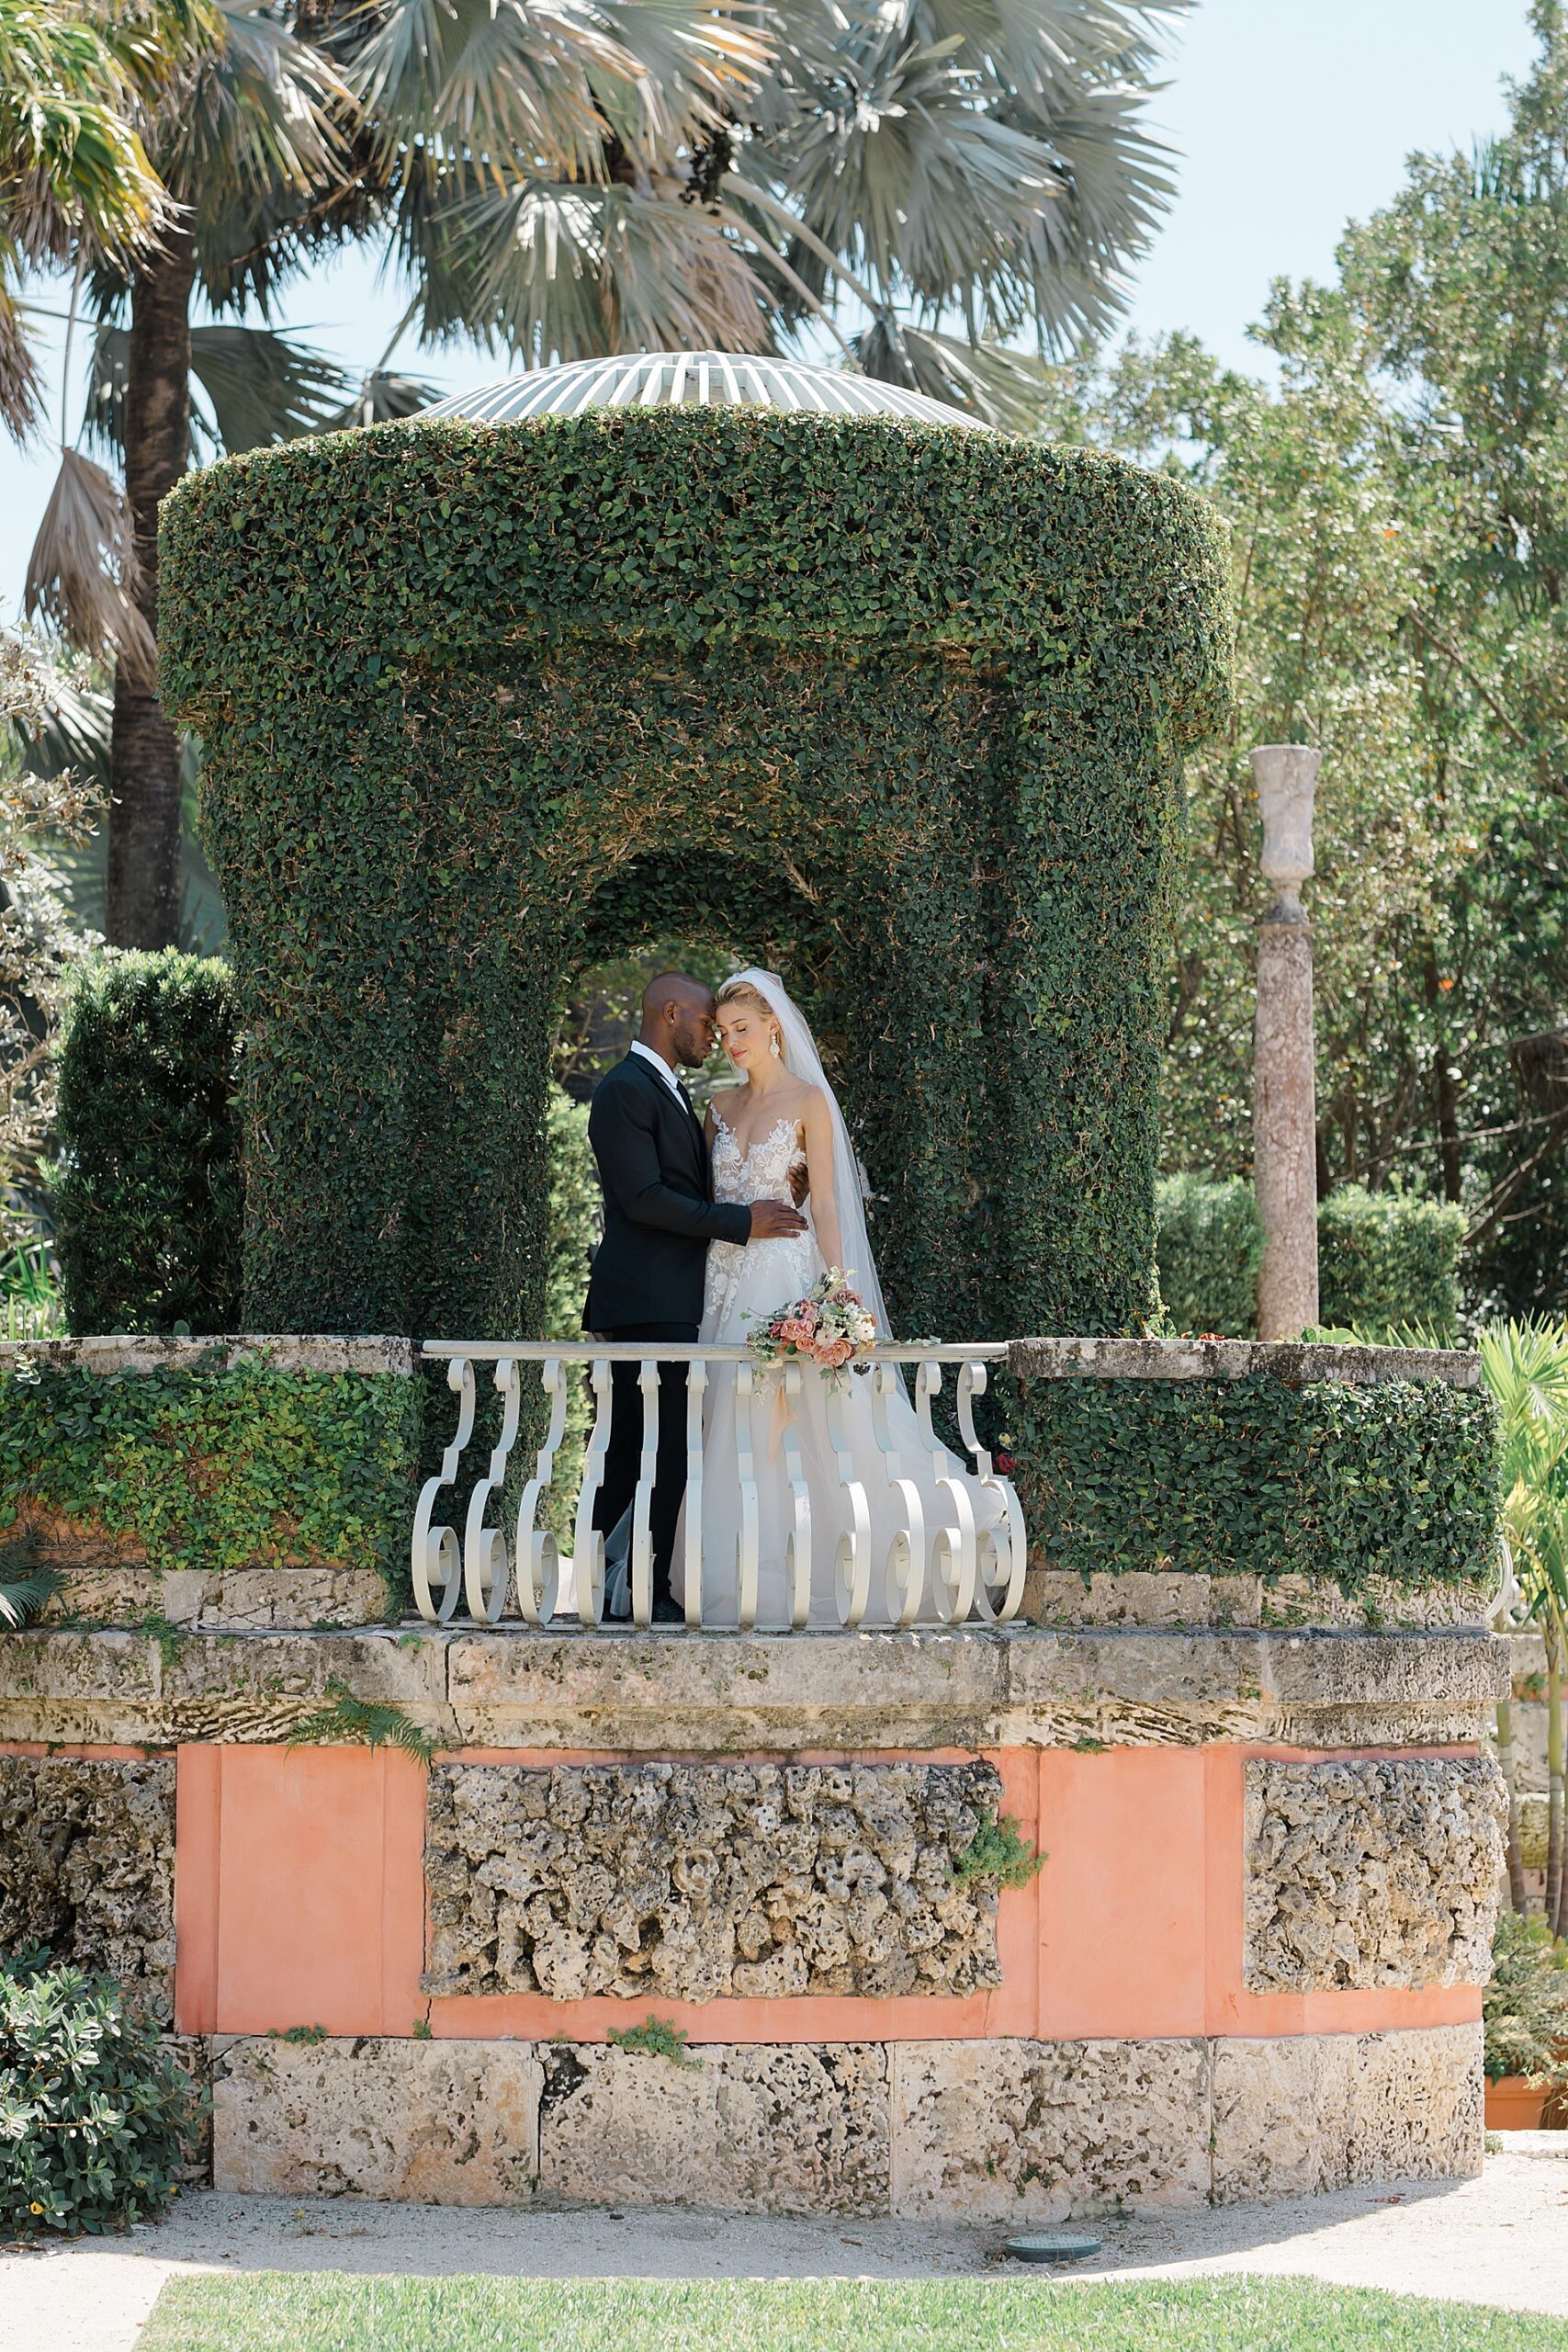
1284,1090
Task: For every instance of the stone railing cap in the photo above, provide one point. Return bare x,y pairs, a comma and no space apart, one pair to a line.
284,1351
1296,1364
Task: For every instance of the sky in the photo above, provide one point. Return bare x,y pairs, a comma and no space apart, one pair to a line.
1288,120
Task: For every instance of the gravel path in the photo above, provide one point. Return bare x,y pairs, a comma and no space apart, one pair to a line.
1501,2239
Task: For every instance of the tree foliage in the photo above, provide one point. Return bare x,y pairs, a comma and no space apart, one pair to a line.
1398,494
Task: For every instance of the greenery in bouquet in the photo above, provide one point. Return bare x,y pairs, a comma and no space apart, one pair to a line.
830,1328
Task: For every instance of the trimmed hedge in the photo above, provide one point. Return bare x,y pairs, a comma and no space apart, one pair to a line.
216,1469
148,1195
901,707
1211,1245
1228,1477
1387,1261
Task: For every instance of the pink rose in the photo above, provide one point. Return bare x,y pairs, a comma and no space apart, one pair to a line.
836,1352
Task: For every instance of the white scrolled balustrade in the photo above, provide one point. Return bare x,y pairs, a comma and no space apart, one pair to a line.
965,1566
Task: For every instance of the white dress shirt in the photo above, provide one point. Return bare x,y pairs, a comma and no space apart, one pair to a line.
663,1067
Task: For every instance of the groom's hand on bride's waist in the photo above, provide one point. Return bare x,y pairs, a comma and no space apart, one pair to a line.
775,1221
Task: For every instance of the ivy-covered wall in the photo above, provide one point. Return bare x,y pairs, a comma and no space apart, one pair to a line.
902,708
1394,1481
209,1464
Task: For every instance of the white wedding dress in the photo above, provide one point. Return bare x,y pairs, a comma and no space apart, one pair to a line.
754,1280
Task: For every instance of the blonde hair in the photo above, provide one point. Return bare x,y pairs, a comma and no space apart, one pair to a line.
743,992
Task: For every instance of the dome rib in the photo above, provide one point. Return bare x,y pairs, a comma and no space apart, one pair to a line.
694,380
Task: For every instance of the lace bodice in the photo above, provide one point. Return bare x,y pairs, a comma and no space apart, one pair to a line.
758,1275
760,1171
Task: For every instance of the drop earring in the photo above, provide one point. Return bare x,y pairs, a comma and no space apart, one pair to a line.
773,1046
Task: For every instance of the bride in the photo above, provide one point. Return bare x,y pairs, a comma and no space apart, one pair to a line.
822,1457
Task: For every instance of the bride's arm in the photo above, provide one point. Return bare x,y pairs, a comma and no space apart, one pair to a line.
818,1125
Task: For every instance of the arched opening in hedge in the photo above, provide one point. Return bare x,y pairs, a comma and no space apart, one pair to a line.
902,708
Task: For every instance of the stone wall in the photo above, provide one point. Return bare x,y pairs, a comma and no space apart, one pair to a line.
87,1867
1006,2131
1372,1872
693,1881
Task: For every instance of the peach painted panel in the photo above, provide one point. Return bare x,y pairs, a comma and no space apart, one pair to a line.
301,1890
1122,1915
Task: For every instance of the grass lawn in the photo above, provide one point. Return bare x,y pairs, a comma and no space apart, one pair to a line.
328,2312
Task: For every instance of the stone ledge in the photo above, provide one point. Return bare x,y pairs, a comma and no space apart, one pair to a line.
657,1692
1294,1364
999,2131
223,1600
1067,1601
284,1351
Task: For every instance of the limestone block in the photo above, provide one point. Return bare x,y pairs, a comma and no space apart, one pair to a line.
235,1601
1295,2115
87,1867
1378,1601
795,2128
431,2122
1296,1364
1038,2131
695,1881
1372,1872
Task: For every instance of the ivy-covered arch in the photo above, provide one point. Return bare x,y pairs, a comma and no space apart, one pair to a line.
902,707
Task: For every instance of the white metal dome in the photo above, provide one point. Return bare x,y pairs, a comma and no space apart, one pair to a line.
695,379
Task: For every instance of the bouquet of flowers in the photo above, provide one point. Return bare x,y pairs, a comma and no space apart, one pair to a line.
828,1327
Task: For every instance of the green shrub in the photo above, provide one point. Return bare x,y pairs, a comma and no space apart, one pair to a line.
574,1216
147,1197
1225,1477
217,1468
1211,1245
94,2113
1525,2009
903,707
1387,1261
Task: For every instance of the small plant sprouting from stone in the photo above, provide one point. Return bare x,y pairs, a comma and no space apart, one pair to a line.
422,2031
349,1721
998,1849
306,2035
658,2038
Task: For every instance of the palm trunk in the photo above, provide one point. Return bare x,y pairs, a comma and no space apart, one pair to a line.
1553,1777
144,814
1517,1894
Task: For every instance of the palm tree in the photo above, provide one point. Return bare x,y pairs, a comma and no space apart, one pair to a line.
1526,1367
73,175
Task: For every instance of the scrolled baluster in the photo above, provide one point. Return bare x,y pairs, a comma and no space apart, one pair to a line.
536,1553
798,1544
642,1504
587,1543
1003,1565
487,1564
955,1556
748,1542
852,1565
905,1573
696,1386
436,1559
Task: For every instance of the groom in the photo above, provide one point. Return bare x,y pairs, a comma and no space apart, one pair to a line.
647,1282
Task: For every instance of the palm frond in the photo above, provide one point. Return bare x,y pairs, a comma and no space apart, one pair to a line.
81,572
27,1586
1006,388
560,270
380,399
263,385
20,386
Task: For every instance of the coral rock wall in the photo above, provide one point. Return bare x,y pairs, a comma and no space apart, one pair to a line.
87,1867
694,1881
1374,1872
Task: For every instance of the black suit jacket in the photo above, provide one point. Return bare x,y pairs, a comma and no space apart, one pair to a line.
659,1220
